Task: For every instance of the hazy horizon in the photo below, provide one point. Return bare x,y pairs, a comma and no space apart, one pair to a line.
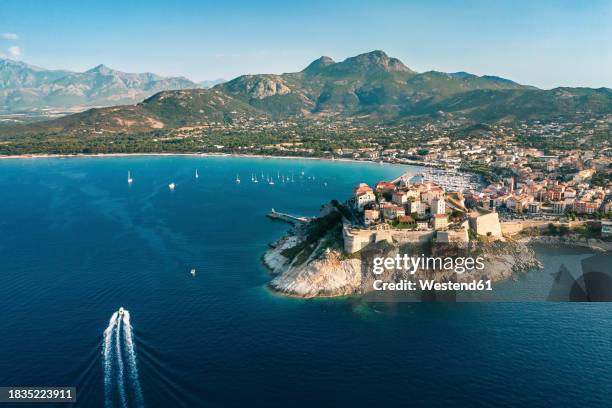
547,44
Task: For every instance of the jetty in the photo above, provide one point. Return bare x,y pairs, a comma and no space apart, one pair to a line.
292,219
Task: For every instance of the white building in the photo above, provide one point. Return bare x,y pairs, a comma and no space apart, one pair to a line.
438,206
363,195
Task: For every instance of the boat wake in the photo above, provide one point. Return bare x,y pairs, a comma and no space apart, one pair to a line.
119,357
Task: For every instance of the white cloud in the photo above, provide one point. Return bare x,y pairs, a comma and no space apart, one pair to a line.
9,36
14,52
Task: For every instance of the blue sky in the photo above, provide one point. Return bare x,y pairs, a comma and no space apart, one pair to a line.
539,42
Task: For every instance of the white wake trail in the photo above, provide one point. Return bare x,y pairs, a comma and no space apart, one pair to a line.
120,379
133,368
108,367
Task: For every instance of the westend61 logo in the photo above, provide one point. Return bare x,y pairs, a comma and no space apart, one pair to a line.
449,279
403,265
437,273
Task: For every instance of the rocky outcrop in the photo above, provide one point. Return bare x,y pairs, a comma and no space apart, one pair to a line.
323,277
258,86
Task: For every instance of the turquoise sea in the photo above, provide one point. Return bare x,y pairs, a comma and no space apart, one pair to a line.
77,242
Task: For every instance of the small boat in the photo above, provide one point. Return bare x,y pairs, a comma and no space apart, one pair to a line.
130,179
121,311
237,179
171,186
193,272
196,174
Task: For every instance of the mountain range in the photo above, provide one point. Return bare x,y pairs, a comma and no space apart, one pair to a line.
369,87
26,88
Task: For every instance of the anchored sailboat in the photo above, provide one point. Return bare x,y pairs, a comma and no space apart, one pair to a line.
130,179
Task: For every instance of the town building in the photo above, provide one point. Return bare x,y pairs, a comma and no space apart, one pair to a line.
486,223
362,196
438,206
440,221
399,197
371,216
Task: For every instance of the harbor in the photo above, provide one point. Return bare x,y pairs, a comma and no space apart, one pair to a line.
449,180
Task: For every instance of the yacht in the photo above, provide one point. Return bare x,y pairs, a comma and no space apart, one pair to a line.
171,186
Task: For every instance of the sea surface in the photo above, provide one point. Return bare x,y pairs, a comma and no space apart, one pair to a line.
77,243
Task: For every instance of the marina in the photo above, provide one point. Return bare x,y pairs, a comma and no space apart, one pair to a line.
449,180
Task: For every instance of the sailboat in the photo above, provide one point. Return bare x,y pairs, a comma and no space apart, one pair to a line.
237,179
130,179
196,174
255,179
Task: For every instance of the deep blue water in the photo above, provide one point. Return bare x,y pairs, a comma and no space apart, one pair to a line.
76,243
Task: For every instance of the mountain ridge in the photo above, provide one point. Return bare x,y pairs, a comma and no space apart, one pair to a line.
368,87
24,87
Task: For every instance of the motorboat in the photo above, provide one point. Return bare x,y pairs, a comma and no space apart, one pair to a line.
121,311
171,186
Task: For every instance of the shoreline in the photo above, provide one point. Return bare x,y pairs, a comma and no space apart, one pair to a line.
574,241
104,155
247,155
